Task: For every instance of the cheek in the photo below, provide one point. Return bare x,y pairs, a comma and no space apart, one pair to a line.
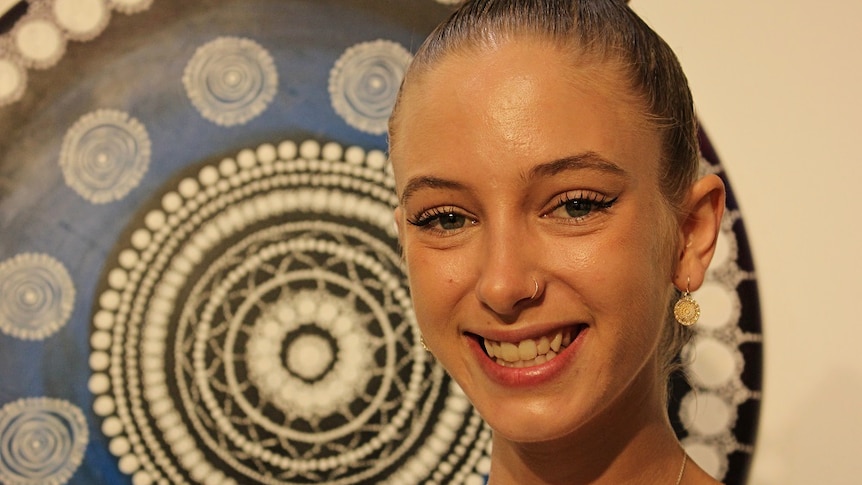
433,282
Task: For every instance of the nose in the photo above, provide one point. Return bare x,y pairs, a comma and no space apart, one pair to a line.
507,280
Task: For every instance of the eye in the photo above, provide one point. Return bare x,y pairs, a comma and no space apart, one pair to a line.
443,219
579,205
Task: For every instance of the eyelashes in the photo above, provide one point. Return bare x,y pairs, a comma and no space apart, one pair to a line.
572,207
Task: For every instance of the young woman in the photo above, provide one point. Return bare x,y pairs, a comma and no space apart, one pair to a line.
550,217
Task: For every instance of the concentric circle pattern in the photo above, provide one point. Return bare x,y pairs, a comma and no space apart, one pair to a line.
231,80
256,327
42,441
36,296
105,155
364,83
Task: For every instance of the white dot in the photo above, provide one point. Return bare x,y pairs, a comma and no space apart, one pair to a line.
141,239
129,464
155,220
267,153
39,40
706,413
376,159
332,151
99,361
354,155
103,405
287,150
188,187
246,158
79,16
714,363
119,446
309,356
112,426
309,149
717,304
99,383
110,300
227,167
208,176
11,78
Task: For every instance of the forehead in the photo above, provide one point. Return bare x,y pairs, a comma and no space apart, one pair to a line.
521,101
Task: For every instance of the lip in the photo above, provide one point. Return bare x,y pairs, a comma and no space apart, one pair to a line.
527,376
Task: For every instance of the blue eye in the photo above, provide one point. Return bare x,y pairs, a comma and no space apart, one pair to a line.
444,219
581,205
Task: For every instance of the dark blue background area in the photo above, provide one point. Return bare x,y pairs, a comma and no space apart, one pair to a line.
136,66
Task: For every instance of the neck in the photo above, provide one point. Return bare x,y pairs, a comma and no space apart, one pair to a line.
631,441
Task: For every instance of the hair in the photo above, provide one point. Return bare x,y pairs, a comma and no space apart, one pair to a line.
601,32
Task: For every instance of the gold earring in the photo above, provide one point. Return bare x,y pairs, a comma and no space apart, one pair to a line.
686,310
424,345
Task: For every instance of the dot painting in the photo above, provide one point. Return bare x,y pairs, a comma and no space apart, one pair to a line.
199,267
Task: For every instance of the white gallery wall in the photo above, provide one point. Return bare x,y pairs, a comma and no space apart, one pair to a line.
777,86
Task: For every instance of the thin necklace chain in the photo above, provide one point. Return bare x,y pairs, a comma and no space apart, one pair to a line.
682,468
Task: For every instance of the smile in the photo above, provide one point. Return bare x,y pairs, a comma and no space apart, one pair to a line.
531,352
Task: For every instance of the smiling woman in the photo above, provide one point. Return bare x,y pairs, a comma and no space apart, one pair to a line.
545,160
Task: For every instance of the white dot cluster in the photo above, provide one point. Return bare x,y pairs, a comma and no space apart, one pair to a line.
38,39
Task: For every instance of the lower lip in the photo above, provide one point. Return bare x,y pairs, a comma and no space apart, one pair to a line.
528,376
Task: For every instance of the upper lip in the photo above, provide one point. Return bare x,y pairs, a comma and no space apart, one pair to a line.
525,332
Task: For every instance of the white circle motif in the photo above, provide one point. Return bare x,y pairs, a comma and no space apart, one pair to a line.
82,19
42,441
364,83
105,155
231,80
39,41
36,296
13,79
261,319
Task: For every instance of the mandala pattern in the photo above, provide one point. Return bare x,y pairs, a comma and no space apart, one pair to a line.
105,155
36,296
364,84
42,441
231,80
257,327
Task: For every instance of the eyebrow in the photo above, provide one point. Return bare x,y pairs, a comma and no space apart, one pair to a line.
581,161
428,182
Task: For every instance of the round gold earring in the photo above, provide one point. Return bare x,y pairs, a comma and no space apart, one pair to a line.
686,310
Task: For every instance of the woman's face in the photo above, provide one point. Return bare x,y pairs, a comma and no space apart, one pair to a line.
520,175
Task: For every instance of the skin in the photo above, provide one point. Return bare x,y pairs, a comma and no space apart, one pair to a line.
484,177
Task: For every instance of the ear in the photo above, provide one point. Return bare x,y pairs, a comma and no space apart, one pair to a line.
701,223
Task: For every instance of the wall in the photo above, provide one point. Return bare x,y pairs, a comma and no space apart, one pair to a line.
776,86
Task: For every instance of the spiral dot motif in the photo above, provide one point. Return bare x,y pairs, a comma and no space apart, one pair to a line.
42,441
231,80
364,83
257,328
36,296
105,155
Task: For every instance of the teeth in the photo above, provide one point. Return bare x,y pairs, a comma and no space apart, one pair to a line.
528,352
